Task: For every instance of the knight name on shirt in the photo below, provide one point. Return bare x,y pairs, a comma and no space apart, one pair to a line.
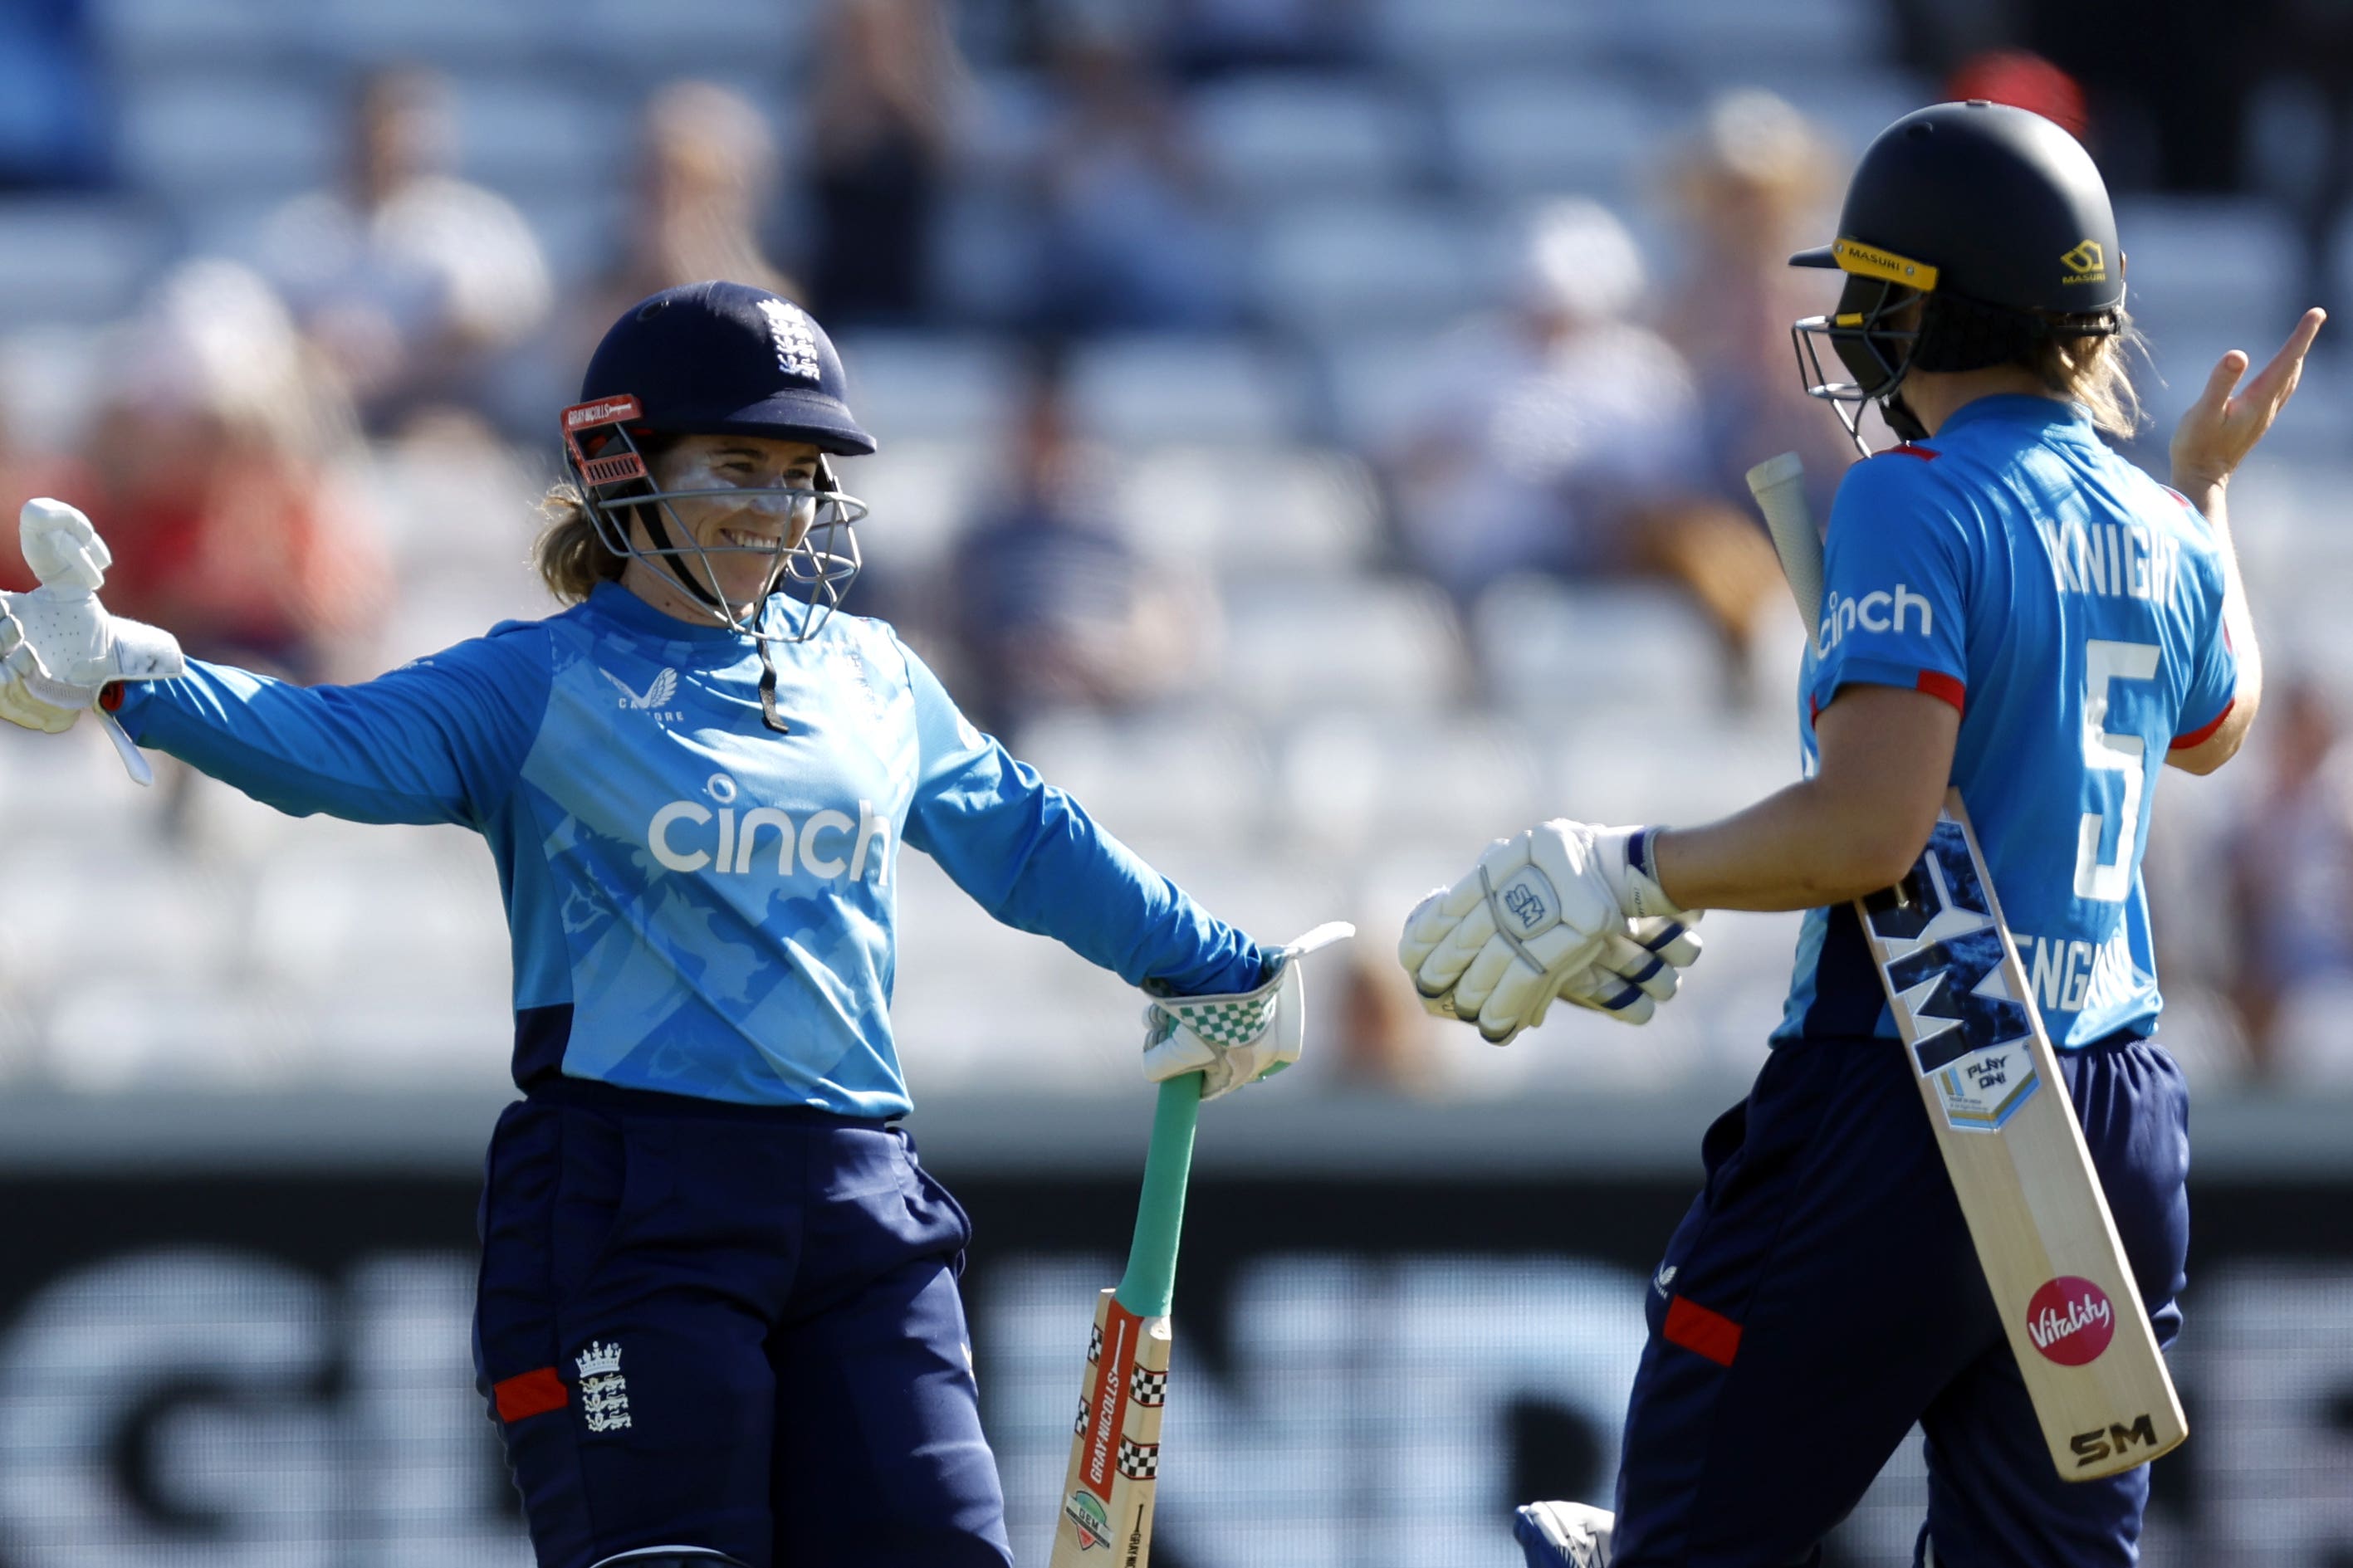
2117,561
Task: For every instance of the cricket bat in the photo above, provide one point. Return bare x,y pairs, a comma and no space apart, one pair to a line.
2002,1119
1114,1469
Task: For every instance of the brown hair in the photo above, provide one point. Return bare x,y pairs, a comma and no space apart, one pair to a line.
2090,369
572,560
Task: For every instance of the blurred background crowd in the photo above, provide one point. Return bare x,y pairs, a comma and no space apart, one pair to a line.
1312,432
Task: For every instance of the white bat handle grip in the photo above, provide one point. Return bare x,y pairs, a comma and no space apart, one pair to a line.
1323,935
1778,485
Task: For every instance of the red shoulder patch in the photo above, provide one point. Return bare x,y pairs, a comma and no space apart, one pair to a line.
1906,449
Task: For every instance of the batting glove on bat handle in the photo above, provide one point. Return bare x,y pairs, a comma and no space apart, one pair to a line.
1238,1038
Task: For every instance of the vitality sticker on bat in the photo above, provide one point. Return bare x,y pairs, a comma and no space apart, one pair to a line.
1942,952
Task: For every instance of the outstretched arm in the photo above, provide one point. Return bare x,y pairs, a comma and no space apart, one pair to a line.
1032,857
437,740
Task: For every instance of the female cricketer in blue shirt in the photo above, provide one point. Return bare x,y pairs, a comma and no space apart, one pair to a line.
2011,608
718,1320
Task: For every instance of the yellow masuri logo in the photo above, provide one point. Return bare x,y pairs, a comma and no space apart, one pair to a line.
2088,261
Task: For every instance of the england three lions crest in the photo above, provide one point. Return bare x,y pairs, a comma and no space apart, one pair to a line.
604,1392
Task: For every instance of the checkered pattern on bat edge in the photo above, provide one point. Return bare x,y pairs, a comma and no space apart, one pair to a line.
1139,1461
1146,1386
1080,1424
1095,1344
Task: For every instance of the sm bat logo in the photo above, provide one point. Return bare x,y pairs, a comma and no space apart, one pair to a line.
2090,1447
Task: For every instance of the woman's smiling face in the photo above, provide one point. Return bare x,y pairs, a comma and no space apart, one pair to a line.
743,537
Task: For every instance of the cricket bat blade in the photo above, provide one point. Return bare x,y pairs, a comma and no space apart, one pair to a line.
1108,1487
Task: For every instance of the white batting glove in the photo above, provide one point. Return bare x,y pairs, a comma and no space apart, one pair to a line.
1532,918
1635,975
1565,1534
1237,1037
19,668
58,647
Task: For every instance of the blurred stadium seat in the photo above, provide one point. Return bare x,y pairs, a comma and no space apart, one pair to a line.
1296,645
2211,267
139,33
1251,512
1555,652
728,40
927,386
438,32
1136,391
1525,133
1119,769
923,491
1277,135
197,136
1444,39
532,133
1329,267
1736,39
1354,780
76,260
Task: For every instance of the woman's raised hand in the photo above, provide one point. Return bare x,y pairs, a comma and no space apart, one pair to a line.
2222,427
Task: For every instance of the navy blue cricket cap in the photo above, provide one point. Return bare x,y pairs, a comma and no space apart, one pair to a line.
727,359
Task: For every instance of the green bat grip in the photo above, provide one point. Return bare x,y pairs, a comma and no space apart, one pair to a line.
1150,1281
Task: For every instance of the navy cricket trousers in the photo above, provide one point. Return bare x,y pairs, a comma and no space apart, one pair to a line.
1823,1295
732,1327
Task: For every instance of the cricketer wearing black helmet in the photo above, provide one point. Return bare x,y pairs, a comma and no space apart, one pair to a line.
2009,609
1996,223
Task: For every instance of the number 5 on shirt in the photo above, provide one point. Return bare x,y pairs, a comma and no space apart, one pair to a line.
2011,1141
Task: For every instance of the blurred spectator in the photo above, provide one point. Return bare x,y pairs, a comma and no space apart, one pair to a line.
1381,1032
708,162
1134,238
26,472
1052,607
706,166
213,455
1206,38
1564,438
879,125
2024,79
1753,184
52,132
2292,892
2316,44
411,280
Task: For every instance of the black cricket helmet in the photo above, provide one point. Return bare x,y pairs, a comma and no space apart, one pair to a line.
1996,220
719,359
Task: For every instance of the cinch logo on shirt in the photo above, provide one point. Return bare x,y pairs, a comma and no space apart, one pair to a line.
689,837
1879,611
